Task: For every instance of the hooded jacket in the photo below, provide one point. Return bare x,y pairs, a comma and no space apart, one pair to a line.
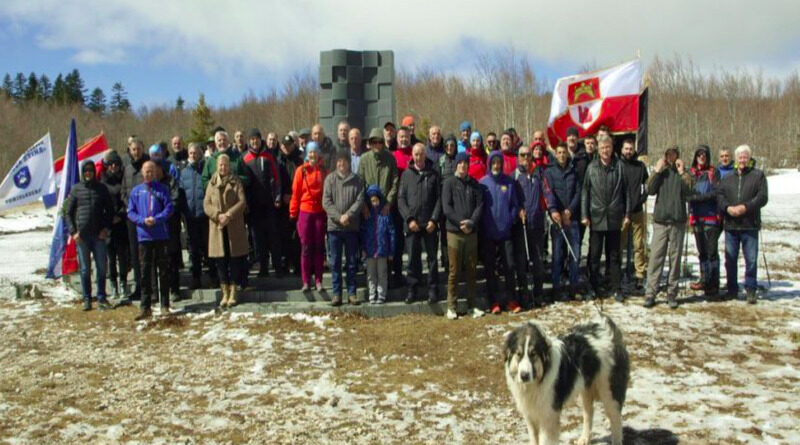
672,191
89,208
265,188
340,195
636,178
150,199
113,182
604,197
377,232
434,152
703,202
748,187
500,205
418,196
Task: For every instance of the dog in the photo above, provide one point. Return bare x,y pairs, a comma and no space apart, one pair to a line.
545,374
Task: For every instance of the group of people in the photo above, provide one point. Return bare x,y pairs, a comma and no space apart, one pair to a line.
301,197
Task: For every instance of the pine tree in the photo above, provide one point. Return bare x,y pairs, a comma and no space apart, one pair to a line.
97,101
45,88
59,91
179,104
203,123
32,88
74,87
18,91
7,85
119,99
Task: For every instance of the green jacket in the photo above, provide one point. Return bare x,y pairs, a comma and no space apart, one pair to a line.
237,166
380,169
672,193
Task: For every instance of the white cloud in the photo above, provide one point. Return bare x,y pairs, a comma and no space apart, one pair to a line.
273,38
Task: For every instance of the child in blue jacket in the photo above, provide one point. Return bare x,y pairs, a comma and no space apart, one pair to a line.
377,236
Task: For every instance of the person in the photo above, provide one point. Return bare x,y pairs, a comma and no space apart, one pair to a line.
509,154
408,122
272,143
500,211
223,147
117,246
704,219
390,136
740,197
354,140
605,210
464,141
540,157
225,205
149,208
491,144
447,169
305,207
131,177
343,136
167,174
192,194
179,153
529,228
402,155
211,147
462,205
563,195
377,237
725,165
239,142
539,136
264,199
378,166
289,159
435,147
590,146
303,138
672,186
477,157
580,160
326,148
89,211
636,176
420,209
343,202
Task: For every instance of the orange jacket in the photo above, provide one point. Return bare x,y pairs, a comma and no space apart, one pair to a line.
307,190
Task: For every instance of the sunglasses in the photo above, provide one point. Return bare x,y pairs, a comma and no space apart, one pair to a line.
525,155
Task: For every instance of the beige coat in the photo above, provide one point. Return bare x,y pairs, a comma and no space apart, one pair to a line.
228,199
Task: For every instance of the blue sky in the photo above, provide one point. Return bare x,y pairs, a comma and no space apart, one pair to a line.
162,49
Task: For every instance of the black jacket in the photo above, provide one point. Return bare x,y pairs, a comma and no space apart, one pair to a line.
462,198
447,167
132,176
636,177
287,165
264,189
561,189
604,198
672,193
114,185
418,195
580,161
749,188
88,209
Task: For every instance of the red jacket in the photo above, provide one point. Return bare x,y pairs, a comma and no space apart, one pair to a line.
402,156
509,162
307,190
477,163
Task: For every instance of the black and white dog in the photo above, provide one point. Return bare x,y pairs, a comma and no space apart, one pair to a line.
544,374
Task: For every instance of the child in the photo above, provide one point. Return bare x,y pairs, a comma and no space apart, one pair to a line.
377,235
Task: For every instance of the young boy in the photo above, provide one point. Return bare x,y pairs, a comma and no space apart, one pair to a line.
377,235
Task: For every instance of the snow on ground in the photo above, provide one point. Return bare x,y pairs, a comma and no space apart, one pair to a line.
706,373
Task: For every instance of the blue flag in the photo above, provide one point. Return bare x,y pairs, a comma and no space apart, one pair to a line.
63,256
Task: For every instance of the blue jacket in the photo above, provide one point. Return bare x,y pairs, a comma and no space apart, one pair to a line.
500,206
562,189
150,199
723,171
190,182
530,193
377,232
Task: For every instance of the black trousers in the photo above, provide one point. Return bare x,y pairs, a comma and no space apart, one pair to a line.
290,241
231,270
598,241
415,242
399,244
133,249
706,237
174,251
535,239
490,251
266,239
118,254
153,256
197,232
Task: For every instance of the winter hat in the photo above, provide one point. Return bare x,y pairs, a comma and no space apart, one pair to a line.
252,133
305,132
475,135
450,138
112,157
155,150
465,126
572,131
537,144
462,157
407,121
288,140
312,146
374,190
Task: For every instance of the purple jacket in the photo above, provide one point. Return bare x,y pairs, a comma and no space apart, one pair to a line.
150,199
500,206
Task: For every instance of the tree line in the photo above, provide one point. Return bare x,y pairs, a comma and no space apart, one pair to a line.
67,90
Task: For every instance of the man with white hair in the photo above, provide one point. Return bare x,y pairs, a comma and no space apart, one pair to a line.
740,197
222,142
342,136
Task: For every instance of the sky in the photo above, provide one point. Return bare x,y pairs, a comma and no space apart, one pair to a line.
162,49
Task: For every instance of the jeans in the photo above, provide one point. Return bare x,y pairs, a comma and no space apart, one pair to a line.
560,252
377,278
415,242
348,241
87,247
706,238
748,239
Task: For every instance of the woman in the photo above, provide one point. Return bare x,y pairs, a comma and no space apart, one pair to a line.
306,208
477,157
225,205
705,221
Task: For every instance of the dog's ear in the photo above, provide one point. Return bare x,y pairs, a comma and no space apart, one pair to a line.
511,344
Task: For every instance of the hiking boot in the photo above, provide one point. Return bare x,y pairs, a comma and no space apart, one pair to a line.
305,287
103,305
223,302
353,300
477,313
513,307
145,314
496,309
319,286
232,290
124,302
697,285
336,300
673,302
751,296
619,297
87,304
451,314
649,302
433,296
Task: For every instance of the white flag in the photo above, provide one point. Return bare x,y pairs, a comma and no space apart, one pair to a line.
31,177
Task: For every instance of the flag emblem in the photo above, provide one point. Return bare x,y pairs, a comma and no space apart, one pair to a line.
22,179
584,91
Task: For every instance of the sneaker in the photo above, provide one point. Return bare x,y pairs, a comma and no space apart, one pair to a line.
319,286
87,304
697,285
103,305
496,309
673,302
305,287
124,302
451,314
353,300
477,313
751,296
513,307
145,314
410,297
649,302
336,300
619,297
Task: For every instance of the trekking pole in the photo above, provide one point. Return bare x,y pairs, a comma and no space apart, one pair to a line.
764,257
525,236
566,240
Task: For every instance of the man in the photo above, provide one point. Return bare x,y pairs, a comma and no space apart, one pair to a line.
326,148
390,136
500,211
635,173
580,161
462,205
272,143
378,166
418,203
491,144
447,169
435,148
289,159
354,141
509,153
563,201
117,247
572,140
89,213
725,166
239,141
149,208
539,136
590,146
191,208
131,177
605,211
465,131
223,146
179,153
303,137
264,199
343,201
705,220
672,186
343,136
740,197
408,122
211,147
402,155
604,131
529,229
167,174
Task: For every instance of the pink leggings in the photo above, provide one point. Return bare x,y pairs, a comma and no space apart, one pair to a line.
311,229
